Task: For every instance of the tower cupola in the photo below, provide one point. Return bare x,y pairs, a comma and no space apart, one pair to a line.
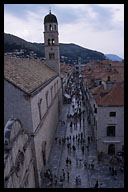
50,18
51,42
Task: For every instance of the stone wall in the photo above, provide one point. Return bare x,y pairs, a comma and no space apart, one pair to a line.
18,170
45,128
18,105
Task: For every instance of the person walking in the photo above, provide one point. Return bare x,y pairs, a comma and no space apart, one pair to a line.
88,139
71,125
78,141
96,184
100,185
59,140
56,139
70,162
74,148
81,135
68,146
82,148
77,161
67,161
63,173
61,181
85,163
92,164
55,180
76,180
112,171
68,176
67,138
87,148
79,179
73,138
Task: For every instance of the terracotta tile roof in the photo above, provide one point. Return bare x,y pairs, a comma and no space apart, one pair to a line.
102,70
27,74
117,64
112,97
65,68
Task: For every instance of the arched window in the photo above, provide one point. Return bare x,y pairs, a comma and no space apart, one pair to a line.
49,41
50,27
53,41
55,27
45,27
51,55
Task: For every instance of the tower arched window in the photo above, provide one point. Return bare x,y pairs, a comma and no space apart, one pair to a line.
51,55
49,41
55,27
53,41
50,27
45,27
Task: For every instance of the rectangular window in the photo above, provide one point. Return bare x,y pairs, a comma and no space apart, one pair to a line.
52,92
112,114
55,88
39,107
46,99
111,131
57,84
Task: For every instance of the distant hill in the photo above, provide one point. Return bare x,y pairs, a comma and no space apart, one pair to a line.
68,52
113,57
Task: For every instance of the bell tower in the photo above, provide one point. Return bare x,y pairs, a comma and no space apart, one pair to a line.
51,42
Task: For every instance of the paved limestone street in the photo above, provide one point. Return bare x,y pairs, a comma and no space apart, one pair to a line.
76,173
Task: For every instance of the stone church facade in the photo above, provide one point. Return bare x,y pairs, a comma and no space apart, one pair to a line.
33,94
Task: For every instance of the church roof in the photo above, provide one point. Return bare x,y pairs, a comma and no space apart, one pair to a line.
27,74
50,18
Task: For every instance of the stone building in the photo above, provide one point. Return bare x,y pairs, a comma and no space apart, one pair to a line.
105,109
33,94
109,127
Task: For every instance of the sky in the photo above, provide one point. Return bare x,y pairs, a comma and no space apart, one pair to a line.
97,27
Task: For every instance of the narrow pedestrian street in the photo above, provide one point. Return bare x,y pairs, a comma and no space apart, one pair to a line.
73,159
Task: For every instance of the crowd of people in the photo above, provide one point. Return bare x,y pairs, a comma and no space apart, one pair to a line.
73,141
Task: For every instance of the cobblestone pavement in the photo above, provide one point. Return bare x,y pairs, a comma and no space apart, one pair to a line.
59,153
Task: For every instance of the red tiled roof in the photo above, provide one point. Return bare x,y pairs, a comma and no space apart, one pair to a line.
114,96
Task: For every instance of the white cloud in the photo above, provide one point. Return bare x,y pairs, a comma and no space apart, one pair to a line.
92,29
30,29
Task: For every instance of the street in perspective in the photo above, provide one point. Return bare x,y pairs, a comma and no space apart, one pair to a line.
74,161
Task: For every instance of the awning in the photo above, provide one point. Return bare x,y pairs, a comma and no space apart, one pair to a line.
111,141
67,96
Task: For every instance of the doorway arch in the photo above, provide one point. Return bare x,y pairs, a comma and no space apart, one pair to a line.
111,149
